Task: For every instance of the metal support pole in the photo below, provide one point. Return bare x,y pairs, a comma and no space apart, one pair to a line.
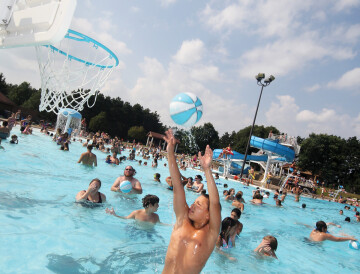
251,131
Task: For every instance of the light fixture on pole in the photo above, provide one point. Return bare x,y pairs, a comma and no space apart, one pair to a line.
259,78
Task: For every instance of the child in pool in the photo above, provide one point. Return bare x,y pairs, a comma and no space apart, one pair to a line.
197,227
150,204
14,139
228,231
268,246
237,202
320,234
230,197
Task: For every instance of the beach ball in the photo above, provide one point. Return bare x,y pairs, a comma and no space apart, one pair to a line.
354,245
186,109
125,186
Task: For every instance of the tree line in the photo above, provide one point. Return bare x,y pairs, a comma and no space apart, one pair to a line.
335,160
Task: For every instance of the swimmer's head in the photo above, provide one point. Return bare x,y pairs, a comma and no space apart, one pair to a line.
151,201
199,211
235,214
321,226
238,196
272,242
203,191
278,202
225,186
198,178
157,176
190,180
96,182
129,171
303,205
231,191
347,219
14,137
89,147
227,227
341,212
226,192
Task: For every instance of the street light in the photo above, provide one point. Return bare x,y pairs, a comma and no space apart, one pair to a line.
267,81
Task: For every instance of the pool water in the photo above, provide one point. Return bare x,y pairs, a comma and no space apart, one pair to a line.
44,230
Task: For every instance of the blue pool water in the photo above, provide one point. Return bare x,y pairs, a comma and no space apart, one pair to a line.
43,230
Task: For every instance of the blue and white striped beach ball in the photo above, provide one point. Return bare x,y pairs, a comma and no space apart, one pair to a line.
125,186
186,109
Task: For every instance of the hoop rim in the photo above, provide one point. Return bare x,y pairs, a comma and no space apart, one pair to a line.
84,38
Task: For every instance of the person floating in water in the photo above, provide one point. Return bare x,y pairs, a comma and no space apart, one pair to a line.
227,235
92,194
268,246
320,234
197,227
150,204
129,173
88,158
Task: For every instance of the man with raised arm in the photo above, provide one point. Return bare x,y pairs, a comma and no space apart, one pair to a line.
197,227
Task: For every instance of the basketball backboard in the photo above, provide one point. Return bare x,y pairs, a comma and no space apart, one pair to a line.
34,22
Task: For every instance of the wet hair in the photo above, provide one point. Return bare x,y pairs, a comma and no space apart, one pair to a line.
278,202
357,213
225,185
90,147
226,191
238,196
347,219
203,191
303,205
150,200
157,175
231,190
258,196
198,177
191,179
226,224
321,226
272,241
237,212
13,136
96,180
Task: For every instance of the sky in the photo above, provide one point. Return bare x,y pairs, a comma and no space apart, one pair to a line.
215,48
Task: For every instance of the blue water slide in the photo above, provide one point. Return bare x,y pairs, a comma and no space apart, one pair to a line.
239,156
274,147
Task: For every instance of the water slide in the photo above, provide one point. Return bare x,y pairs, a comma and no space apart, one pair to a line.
286,153
274,147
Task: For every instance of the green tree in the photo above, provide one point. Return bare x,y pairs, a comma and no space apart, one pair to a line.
323,154
205,135
20,94
99,122
138,133
187,141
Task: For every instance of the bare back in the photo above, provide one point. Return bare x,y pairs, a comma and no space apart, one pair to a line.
88,158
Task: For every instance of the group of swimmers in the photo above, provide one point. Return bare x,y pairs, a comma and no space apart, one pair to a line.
196,229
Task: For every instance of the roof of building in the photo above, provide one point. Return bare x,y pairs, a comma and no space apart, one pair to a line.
5,100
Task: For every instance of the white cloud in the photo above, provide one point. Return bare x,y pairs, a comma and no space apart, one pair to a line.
190,52
341,5
102,33
313,88
166,3
285,114
284,56
349,80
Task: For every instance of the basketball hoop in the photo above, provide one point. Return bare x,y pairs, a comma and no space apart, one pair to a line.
68,80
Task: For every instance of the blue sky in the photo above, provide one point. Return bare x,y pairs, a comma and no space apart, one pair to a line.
215,48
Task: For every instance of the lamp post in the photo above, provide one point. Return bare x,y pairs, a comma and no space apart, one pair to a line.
266,82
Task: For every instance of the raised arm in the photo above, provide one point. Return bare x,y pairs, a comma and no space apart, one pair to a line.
180,206
215,212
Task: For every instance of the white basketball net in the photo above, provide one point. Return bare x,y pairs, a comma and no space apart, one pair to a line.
71,73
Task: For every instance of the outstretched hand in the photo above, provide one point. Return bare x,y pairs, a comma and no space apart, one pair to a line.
110,211
205,161
170,139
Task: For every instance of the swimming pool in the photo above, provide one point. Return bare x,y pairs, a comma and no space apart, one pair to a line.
43,229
